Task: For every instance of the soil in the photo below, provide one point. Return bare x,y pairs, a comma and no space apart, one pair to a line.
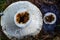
42,35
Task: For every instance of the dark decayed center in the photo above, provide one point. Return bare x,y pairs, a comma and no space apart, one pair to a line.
49,18
22,17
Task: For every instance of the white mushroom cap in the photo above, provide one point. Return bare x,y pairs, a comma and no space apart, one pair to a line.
48,14
33,26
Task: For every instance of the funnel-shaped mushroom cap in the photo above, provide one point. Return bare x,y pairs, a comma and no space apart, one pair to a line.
28,22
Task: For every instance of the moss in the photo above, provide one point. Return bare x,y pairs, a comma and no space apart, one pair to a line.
2,5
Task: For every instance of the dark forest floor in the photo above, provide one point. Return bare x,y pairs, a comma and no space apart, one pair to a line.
41,36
